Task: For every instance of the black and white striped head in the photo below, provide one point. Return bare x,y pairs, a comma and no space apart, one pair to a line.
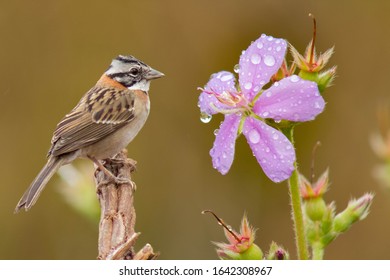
132,73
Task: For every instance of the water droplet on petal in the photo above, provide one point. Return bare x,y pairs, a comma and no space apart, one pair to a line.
236,68
226,77
294,78
268,94
254,136
276,84
224,155
275,136
216,132
267,150
269,60
255,58
259,45
265,114
317,105
205,118
278,48
248,85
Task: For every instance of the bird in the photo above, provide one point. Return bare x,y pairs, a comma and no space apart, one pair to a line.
105,121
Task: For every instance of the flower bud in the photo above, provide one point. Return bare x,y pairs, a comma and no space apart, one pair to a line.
356,210
310,61
277,252
311,64
313,190
315,208
327,235
312,193
326,78
310,76
327,221
252,253
319,231
240,246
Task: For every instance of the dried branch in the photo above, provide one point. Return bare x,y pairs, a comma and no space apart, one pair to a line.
116,229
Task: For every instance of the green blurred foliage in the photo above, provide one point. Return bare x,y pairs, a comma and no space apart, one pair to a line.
52,52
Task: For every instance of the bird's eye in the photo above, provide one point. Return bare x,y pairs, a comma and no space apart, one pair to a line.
134,71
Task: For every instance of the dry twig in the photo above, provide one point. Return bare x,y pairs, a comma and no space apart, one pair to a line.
116,229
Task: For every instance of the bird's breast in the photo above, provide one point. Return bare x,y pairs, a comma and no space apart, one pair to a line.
118,140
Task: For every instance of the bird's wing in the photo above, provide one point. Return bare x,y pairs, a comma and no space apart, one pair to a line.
99,113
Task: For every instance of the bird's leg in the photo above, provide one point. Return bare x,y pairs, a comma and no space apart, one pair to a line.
127,162
111,176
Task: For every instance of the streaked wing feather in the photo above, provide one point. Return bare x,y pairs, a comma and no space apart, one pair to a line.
99,113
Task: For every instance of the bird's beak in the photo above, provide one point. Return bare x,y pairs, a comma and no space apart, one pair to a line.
154,74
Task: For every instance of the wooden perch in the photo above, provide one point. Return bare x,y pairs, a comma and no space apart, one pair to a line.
117,220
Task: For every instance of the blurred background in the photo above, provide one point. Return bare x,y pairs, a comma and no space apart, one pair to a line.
52,52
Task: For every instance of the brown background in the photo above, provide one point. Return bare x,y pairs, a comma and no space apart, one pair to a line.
52,52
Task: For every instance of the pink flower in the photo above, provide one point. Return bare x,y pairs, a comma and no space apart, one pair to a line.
248,108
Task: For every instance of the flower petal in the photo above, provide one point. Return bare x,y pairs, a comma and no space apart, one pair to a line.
219,83
292,99
273,151
259,63
222,152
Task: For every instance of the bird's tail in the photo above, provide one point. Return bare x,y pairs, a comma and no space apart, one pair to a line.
32,193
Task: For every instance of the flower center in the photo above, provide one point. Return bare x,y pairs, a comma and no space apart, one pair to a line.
235,100
229,98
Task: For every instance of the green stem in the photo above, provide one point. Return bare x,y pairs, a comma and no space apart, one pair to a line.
318,251
299,228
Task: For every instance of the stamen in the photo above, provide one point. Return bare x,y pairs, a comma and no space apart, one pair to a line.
226,98
206,91
226,111
232,99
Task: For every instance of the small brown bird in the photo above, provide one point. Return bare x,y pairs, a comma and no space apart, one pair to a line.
106,120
